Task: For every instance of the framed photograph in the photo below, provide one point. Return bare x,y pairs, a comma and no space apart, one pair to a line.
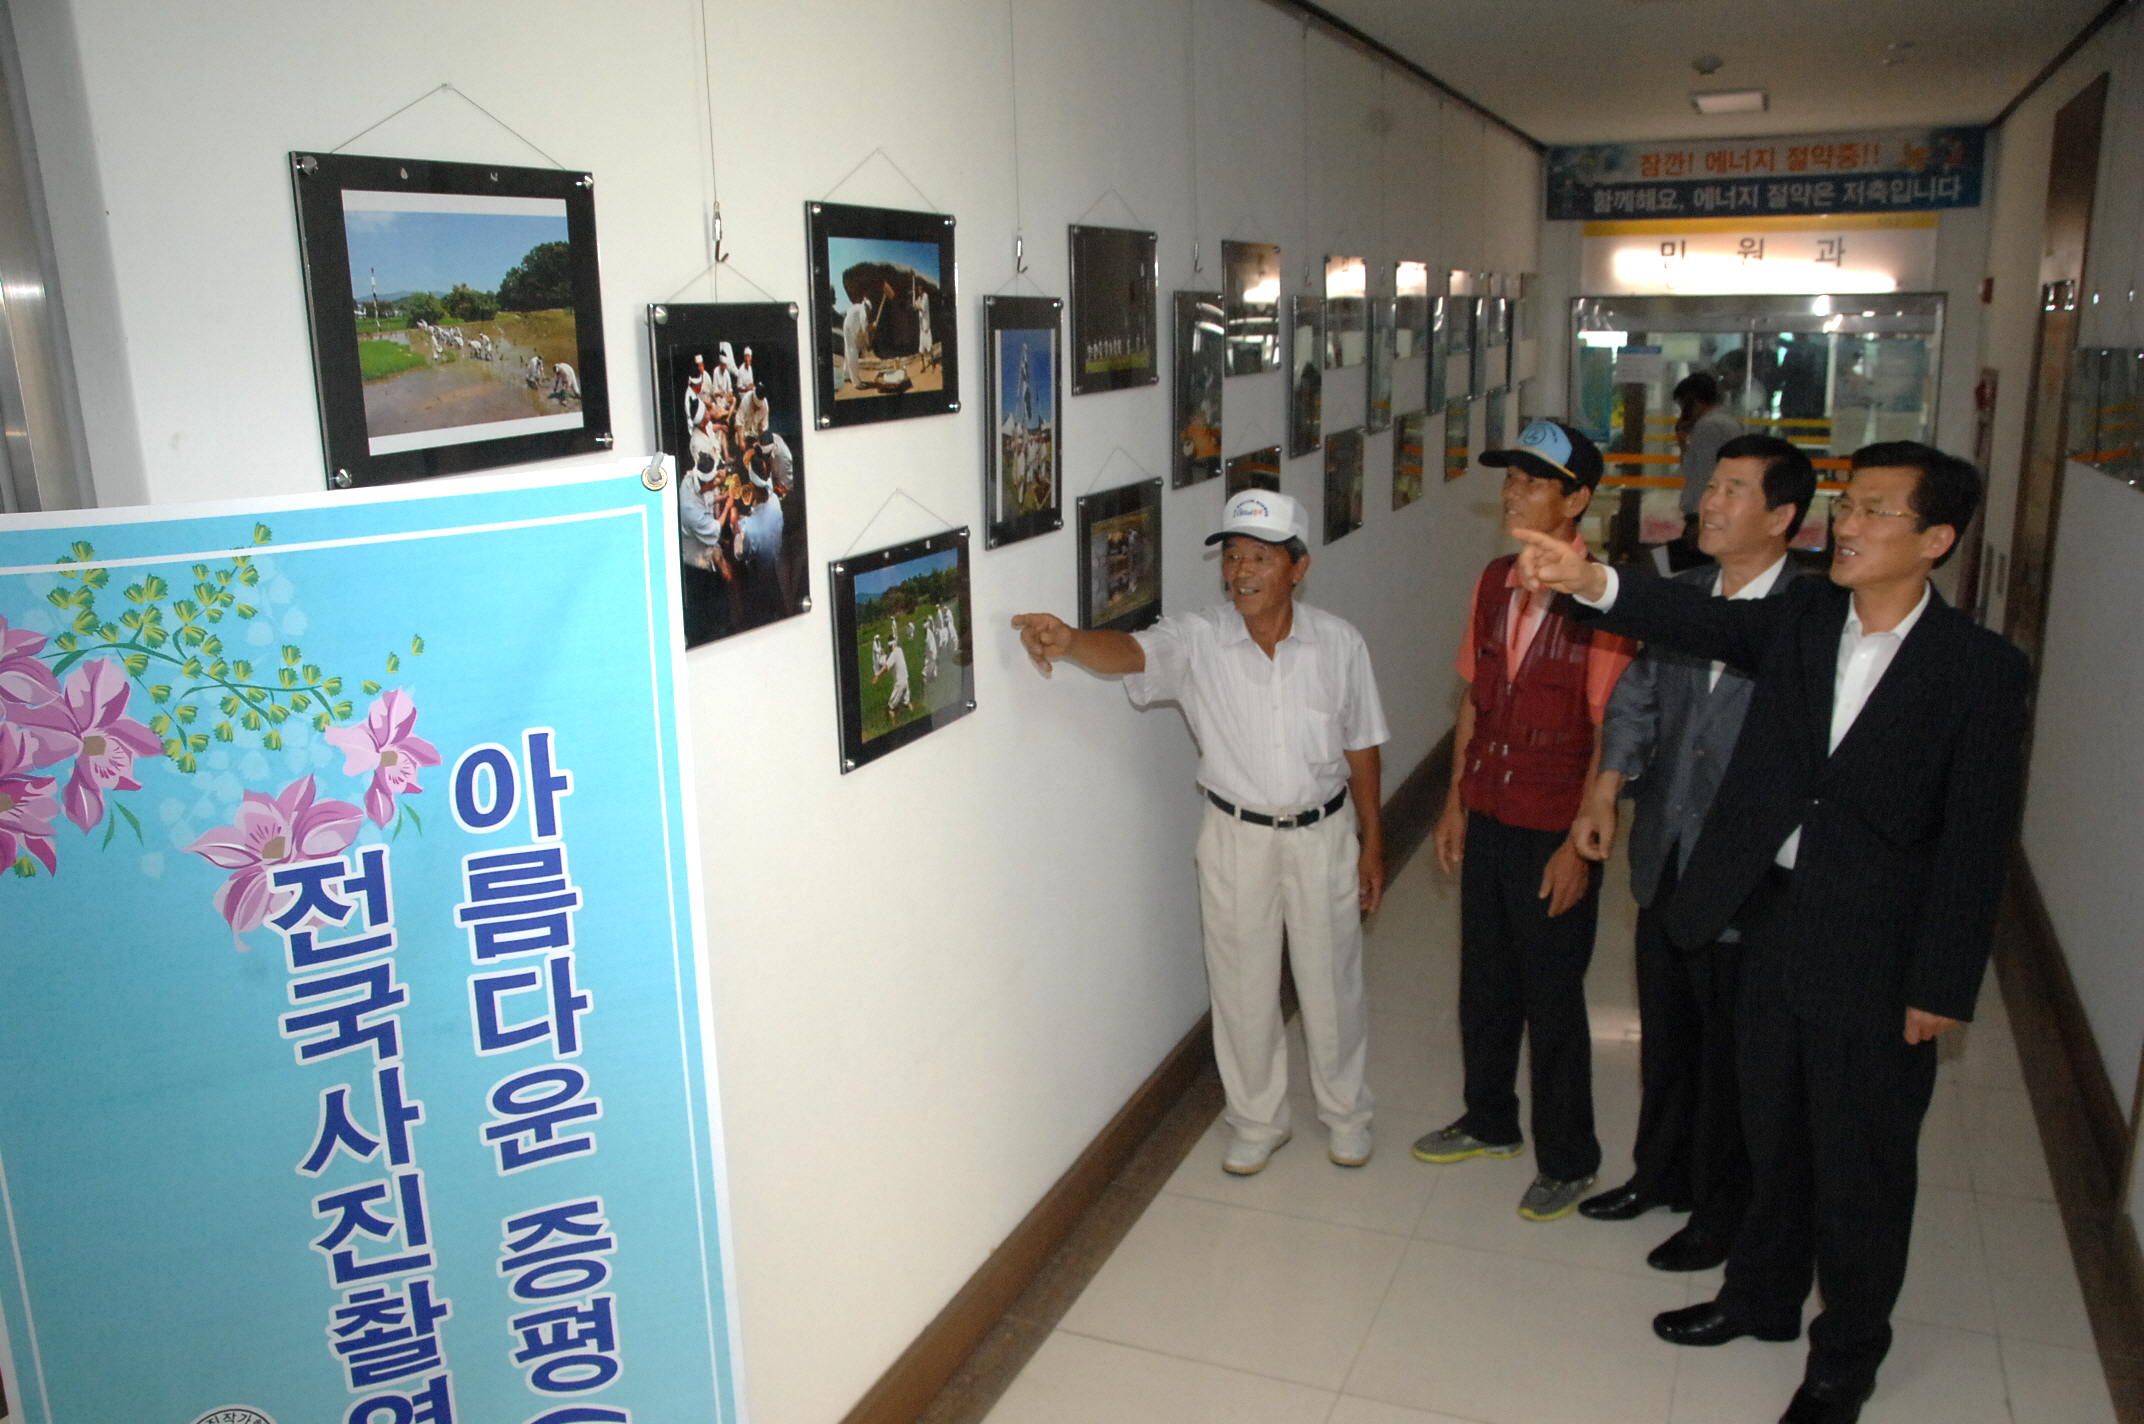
1306,388
457,322
884,342
1253,469
1343,483
1252,300
1408,453
1462,346
1120,557
1347,290
1458,423
1113,294
903,645
1437,370
1410,288
1495,344
729,409
1201,364
1023,438
1378,404
1493,407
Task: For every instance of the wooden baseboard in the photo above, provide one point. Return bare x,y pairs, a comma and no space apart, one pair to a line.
914,1380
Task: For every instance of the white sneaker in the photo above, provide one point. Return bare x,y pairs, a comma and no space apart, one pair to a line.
1247,1156
1350,1146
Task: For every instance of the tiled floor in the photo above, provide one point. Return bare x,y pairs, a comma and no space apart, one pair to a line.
1408,1294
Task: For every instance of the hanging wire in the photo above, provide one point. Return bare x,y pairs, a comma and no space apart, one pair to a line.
898,493
1191,93
448,88
1109,459
1012,81
928,200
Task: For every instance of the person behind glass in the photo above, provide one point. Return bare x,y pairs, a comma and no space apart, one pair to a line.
1282,701
1526,748
1672,725
1859,840
1702,428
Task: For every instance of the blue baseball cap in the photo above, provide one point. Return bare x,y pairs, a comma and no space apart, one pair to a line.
1554,451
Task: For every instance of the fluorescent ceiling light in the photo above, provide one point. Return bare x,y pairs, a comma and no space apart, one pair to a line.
1730,101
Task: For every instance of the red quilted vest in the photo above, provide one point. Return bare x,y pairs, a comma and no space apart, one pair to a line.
1533,734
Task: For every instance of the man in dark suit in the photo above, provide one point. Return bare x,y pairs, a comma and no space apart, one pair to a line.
1671,729
1859,841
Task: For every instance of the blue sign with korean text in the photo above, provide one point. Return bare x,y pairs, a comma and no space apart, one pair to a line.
357,1060
1906,170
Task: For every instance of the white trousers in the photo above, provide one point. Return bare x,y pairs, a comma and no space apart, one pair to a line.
1252,881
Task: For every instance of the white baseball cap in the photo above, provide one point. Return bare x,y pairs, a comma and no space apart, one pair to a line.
1265,515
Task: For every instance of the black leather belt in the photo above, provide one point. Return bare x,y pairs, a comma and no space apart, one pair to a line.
1285,823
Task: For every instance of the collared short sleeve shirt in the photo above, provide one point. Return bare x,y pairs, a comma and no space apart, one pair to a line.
1273,733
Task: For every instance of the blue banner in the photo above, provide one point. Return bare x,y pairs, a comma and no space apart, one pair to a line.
1906,170
356,1059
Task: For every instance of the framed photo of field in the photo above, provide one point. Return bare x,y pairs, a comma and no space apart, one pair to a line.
1343,483
1023,434
1113,296
1251,271
729,409
456,318
903,644
1120,557
1306,386
1408,453
1201,365
1253,469
884,342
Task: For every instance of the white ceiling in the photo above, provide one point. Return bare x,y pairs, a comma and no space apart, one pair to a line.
1577,71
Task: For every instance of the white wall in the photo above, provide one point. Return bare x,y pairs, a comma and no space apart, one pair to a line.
937,978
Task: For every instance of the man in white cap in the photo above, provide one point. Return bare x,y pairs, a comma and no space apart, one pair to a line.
1281,699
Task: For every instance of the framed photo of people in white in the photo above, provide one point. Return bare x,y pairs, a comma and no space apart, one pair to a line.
1201,351
729,409
456,316
1120,557
1113,317
904,646
1023,429
884,342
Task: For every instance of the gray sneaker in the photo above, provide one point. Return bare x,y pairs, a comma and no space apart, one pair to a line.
1456,1144
1550,1200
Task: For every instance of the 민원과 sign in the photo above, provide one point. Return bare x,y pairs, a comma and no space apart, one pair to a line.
357,1065
1900,170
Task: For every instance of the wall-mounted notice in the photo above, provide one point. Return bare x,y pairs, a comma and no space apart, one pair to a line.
357,1065
1854,252
1897,170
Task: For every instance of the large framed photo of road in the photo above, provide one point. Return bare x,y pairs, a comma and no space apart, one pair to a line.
456,318
903,644
884,344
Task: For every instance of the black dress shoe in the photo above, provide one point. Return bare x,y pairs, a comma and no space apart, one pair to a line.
1822,1403
1691,1249
1621,1204
1707,1324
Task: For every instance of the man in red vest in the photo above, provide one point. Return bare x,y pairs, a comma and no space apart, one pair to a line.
1527,746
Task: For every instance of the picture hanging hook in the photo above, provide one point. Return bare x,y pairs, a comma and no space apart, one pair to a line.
1019,255
1198,264
720,255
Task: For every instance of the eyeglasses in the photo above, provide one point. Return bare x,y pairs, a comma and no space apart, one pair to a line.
1844,508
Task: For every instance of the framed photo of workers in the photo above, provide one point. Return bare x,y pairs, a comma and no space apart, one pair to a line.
884,341
1343,483
1251,300
1113,316
1023,429
729,409
903,644
1377,405
1410,290
1201,364
1408,453
1120,557
1253,469
1306,383
1458,435
1347,290
456,316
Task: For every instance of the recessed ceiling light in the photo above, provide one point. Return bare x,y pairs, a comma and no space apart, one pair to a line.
1731,101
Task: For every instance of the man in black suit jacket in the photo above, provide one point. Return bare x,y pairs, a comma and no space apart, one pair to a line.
1859,841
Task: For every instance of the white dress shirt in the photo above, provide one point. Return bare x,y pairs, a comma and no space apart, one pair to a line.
1863,660
1757,587
1273,733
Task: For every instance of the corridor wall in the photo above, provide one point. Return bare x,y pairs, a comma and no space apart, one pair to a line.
937,978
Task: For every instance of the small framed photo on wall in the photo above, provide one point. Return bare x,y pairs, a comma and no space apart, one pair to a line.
1458,435
1306,387
1378,406
884,341
1120,557
1410,289
1347,290
1023,433
903,645
1251,271
1343,483
1201,364
1409,435
1253,469
1113,319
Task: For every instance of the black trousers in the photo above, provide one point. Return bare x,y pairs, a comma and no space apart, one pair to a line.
1690,1147
1524,973
1833,1115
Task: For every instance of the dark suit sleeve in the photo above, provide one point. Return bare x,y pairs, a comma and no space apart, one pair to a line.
1981,794
1735,631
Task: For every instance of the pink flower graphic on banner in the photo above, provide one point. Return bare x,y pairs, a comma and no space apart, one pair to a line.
385,744
25,682
271,831
89,723
27,804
